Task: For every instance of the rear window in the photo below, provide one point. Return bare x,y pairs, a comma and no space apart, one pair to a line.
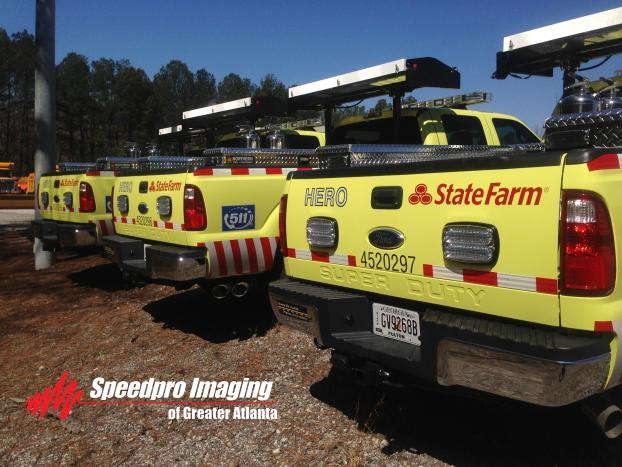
378,132
513,132
232,143
463,130
296,141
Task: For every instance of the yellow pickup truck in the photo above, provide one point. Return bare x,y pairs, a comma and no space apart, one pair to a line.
210,219
487,271
76,203
217,224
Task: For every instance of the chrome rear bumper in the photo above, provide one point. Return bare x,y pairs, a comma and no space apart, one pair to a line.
165,262
73,235
520,377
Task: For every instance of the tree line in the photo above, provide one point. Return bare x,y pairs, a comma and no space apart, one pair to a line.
105,103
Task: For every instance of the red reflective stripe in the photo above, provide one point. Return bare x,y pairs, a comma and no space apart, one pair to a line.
155,223
239,171
273,171
168,225
267,252
303,168
603,326
133,221
319,256
291,252
252,254
237,256
428,270
201,244
203,172
546,285
604,162
480,277
351,260
222,261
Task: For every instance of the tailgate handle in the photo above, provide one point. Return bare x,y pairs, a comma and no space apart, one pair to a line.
386,197
143,187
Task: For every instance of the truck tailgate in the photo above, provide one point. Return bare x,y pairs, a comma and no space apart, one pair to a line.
521,200
142,218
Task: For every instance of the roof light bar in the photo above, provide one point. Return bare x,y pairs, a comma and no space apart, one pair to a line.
157,163
246,157
117,163
247,108
396,77
75,167
538,51
457,101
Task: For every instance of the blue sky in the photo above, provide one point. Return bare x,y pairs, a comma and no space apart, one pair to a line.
305,41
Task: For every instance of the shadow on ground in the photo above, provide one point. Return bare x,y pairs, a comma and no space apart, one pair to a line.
465,431
195,312
104,277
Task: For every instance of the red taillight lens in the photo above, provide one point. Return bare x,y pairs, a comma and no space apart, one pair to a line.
282,231
195,217
588,265
87,199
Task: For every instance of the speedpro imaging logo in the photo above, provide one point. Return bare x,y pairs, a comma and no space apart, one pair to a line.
240,396
240,217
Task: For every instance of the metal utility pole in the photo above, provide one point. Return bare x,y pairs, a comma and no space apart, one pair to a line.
45,110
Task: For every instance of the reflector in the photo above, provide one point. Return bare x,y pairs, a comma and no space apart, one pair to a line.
68,199
322,232
123,204
164,206
470,243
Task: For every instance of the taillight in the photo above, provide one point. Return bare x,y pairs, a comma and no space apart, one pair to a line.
282,231
195,217
87,199
587,248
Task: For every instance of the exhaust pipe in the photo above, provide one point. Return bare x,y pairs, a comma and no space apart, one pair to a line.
607,415
240,289
220,291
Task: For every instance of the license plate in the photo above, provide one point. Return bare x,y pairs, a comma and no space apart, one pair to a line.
396,323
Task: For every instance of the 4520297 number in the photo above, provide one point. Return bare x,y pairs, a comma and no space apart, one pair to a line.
388,262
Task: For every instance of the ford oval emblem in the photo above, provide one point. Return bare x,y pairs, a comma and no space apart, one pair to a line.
386,238
142,208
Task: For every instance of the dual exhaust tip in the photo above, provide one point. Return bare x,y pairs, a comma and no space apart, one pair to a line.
237,290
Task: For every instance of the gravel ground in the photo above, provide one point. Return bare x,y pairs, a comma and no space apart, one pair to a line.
78,317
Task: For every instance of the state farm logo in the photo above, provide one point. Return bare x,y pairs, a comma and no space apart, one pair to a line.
420,195
495,193
165,186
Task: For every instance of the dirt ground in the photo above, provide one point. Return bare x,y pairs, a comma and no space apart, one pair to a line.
78,317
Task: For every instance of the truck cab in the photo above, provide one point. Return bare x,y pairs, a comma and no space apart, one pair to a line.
436,125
